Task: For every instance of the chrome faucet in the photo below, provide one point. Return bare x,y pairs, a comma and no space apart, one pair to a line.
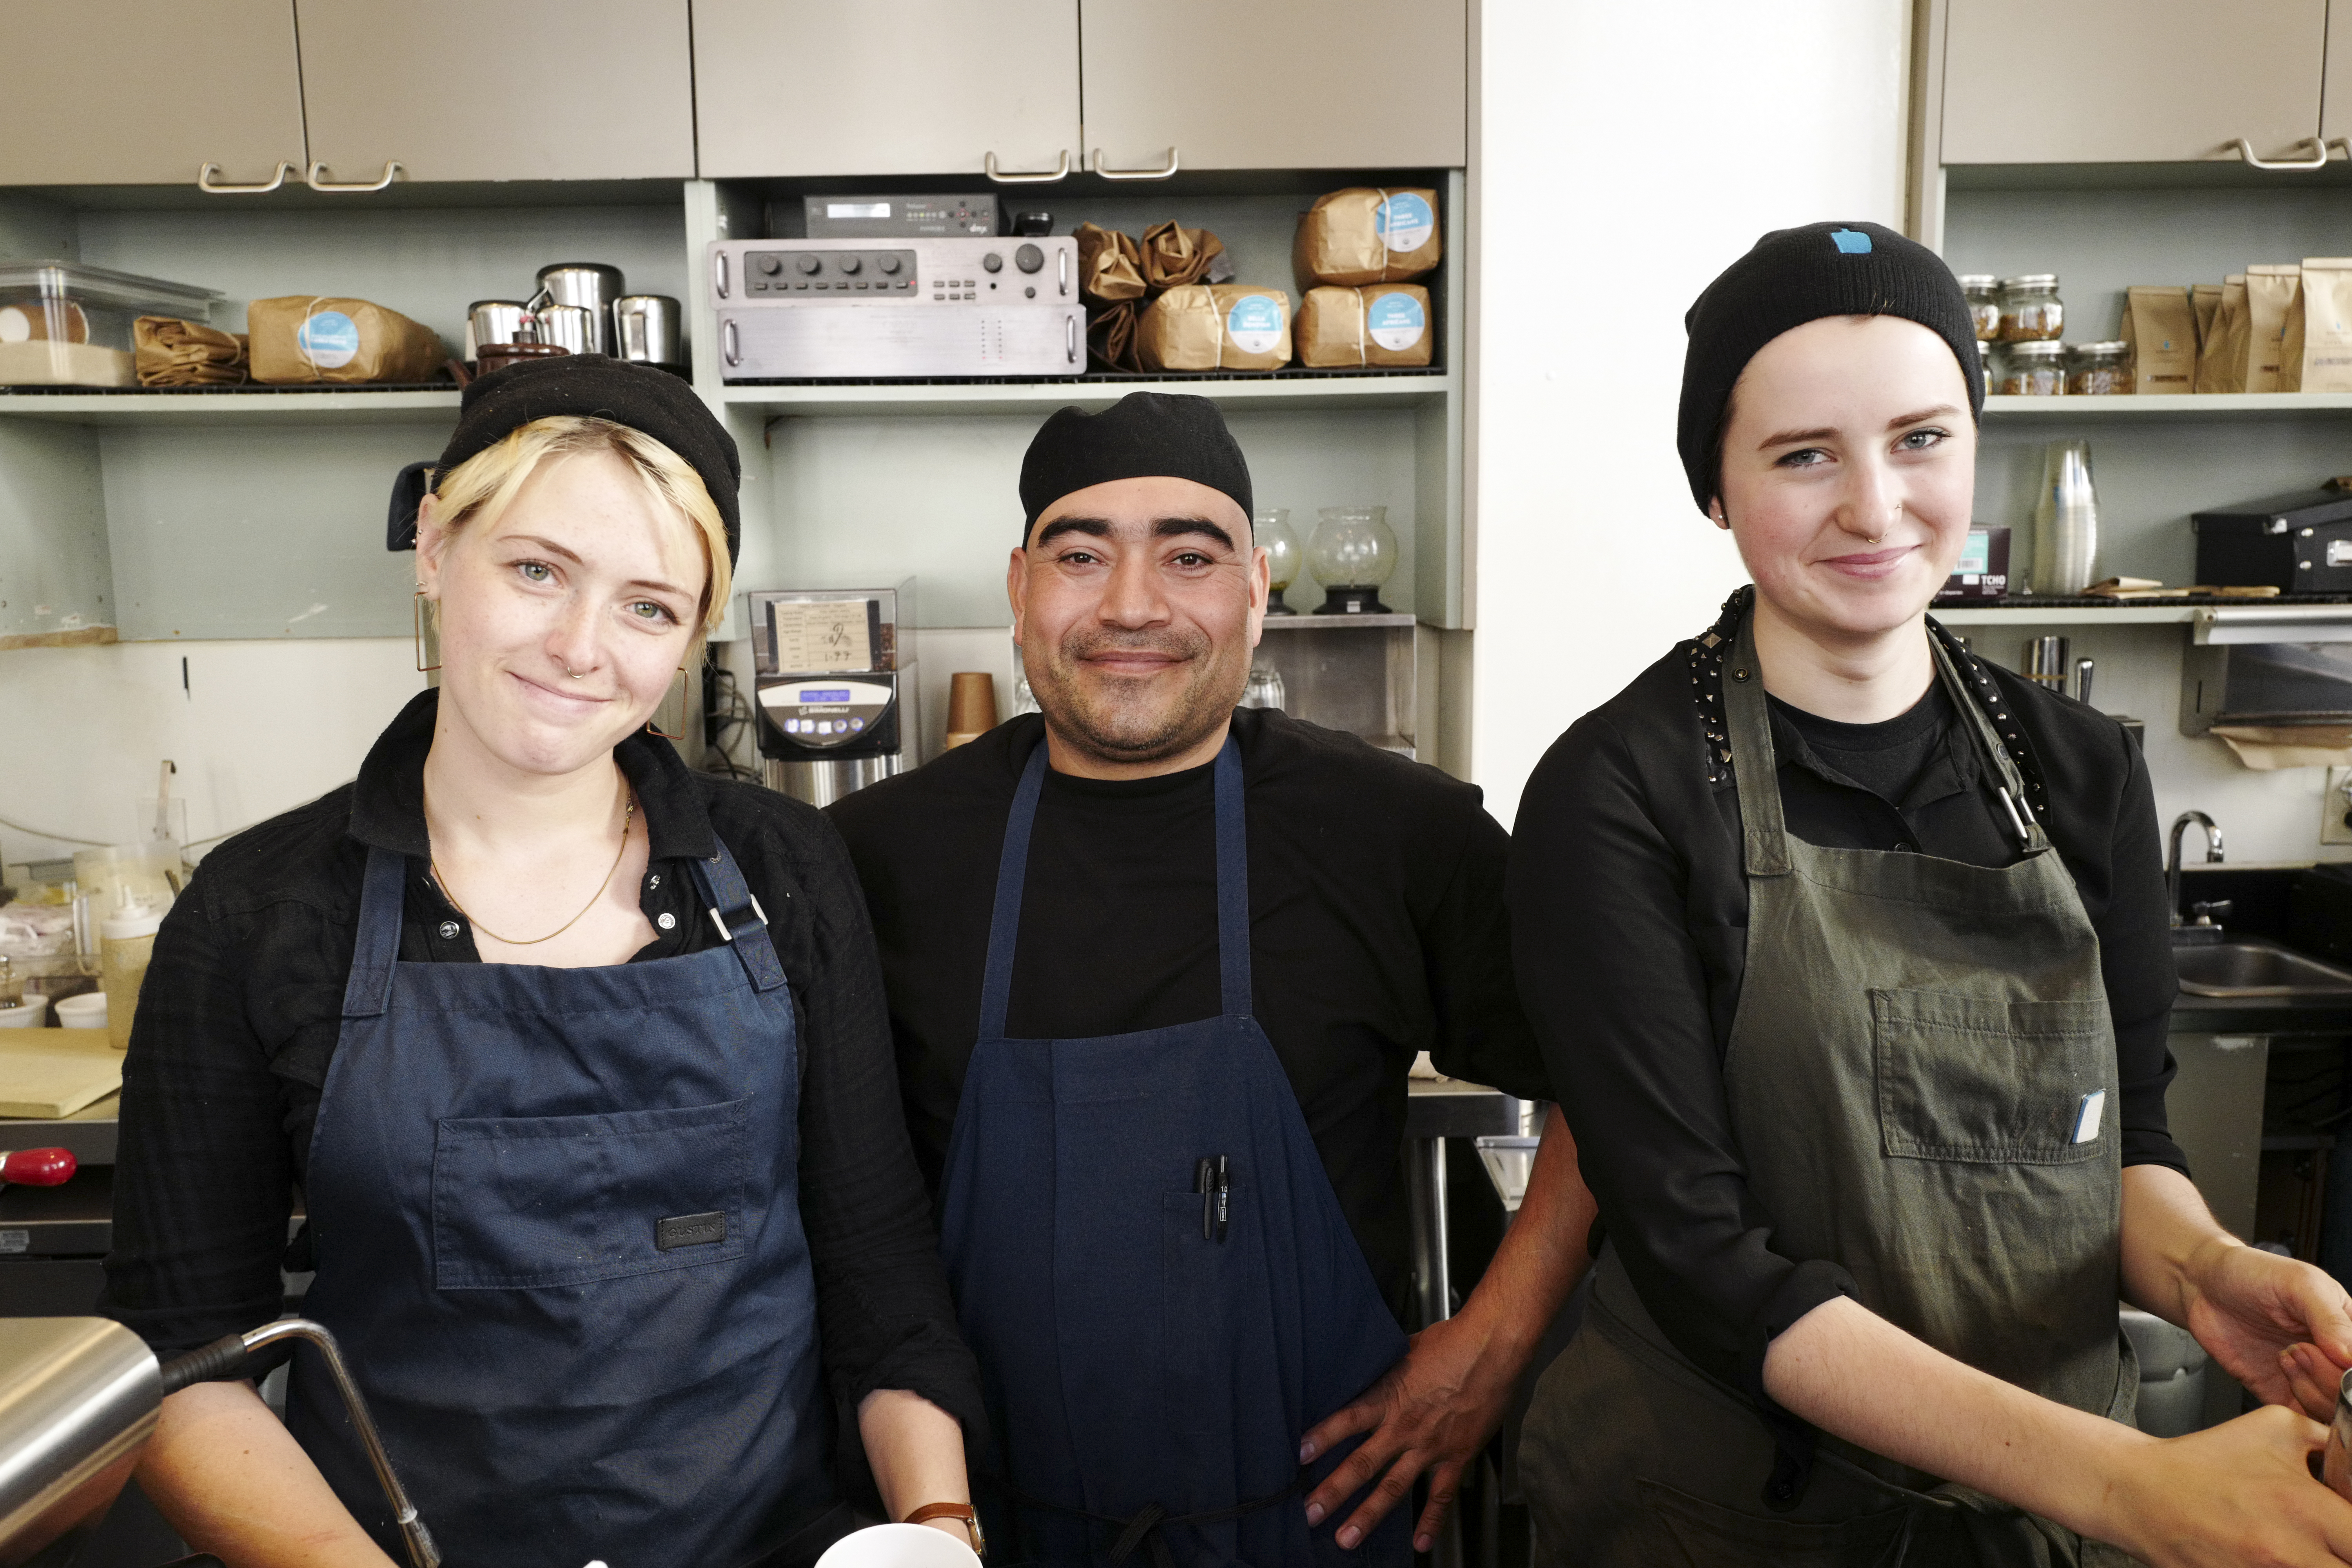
2172,856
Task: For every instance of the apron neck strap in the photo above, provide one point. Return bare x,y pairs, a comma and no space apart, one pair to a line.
368,993
1755,771
1748,717
1012,876
739,916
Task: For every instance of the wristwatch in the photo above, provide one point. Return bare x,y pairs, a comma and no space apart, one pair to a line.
961,1512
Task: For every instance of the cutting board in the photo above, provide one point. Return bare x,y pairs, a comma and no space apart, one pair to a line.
56,1072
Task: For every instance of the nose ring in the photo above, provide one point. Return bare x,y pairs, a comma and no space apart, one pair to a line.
577,675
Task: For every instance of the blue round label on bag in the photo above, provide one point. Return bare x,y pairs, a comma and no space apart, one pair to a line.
329,340
1405,221
1396,321
1255,324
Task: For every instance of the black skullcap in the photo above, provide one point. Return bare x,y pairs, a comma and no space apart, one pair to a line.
596,386
1144,435
1798,275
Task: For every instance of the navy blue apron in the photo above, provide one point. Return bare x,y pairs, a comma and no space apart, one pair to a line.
556,1214
1151,1365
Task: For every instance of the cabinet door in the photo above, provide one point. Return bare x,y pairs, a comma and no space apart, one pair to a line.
90,100
500,89
923,87
2336,84
1296,84
2122,81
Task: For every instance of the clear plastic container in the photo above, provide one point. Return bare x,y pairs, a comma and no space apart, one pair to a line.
64,324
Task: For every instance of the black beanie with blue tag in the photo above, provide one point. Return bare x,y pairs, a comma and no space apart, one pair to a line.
1798,275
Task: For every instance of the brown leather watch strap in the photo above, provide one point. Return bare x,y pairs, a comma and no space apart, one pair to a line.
961,1512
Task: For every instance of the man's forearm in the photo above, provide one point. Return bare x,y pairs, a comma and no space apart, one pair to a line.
1543,1253
233,1482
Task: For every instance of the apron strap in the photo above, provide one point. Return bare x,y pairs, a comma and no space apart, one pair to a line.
368,993
1755,771
739,916
1004,920
1232,883
1233,891
2010,784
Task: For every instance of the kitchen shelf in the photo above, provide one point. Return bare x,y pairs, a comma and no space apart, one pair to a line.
164,409
2259,620
2130,407
2061,614
850,399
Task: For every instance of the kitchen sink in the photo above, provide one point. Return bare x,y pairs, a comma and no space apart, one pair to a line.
2245,968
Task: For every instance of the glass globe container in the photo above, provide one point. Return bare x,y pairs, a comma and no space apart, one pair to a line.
1272,530
1353,553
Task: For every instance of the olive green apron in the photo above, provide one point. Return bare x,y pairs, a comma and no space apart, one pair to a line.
1909,1078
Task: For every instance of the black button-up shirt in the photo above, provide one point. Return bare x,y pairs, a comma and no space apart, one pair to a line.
242,1010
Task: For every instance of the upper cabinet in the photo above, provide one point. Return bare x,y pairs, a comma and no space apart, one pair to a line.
1296,84
2105,81
499,89
92,101
921,86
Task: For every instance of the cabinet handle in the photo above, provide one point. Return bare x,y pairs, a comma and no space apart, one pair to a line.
2246,151
1070,337
1061,170
212,187
730,343
319,181
1135,174
1061,269
719,272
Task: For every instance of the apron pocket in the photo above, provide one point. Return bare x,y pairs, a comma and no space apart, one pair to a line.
1709,1535
524,1200
1988,1081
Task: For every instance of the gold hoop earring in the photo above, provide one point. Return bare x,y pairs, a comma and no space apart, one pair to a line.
422,668
681,703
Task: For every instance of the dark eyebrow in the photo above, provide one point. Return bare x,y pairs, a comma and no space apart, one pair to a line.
1940,411
1822,433
552,548
1164,528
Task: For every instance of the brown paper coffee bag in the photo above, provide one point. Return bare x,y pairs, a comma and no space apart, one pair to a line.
1110,334
2274,294
1215,326
2204,301
2220,358
2162,330
172,353
1381,324
1108,265
1174,255
1366,235
305,338
2316,354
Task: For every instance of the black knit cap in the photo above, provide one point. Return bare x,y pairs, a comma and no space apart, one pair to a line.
1144,435
1798,275
594,385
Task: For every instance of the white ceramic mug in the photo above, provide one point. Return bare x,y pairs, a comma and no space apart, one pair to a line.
27,1014
899,1546
86,1011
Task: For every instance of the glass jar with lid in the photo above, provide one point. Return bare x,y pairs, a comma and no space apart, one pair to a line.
2033,370
2031,310
1983,292
2098,370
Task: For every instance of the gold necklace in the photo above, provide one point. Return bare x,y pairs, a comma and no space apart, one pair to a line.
627,813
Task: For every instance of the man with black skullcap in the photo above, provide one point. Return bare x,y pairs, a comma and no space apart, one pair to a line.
1158,969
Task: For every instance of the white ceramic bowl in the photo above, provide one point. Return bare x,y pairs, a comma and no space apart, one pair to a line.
899,1546
28,1014
88,1011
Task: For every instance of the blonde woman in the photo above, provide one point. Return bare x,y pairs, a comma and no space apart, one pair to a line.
578,1060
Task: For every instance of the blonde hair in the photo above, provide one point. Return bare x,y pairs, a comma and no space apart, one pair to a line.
480,488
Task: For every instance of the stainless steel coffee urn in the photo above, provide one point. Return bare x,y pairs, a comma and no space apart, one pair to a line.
836,688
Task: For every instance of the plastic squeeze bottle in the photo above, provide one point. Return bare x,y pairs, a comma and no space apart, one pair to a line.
126,942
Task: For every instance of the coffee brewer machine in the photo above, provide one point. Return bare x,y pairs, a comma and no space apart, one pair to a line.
836,688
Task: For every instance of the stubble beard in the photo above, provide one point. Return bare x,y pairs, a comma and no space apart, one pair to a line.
1129,722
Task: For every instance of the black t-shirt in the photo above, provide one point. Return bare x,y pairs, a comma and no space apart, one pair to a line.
1377,929
1629,909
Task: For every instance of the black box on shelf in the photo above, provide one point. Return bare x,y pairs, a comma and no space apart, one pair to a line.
2300,543
1983,569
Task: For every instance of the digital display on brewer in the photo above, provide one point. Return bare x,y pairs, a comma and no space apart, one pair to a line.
825,694
858,209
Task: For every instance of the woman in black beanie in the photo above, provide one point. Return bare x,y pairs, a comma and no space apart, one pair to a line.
1850,956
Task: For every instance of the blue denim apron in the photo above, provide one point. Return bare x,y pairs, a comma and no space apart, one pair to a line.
556,1214
1150,1365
